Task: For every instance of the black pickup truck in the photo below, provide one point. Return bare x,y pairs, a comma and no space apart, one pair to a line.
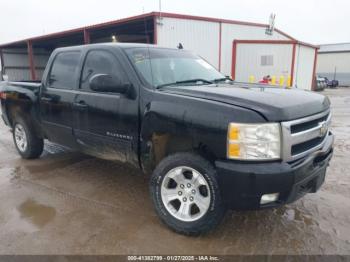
210,143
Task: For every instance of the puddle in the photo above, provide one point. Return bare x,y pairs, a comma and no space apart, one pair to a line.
298,216
36,213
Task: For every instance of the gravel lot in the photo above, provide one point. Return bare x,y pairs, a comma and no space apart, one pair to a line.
69,203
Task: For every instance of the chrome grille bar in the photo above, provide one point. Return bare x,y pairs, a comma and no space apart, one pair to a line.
289,139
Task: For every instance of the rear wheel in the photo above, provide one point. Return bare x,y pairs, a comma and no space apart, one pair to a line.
28,145
186,194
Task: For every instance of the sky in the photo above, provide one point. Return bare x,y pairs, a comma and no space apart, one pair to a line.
312,21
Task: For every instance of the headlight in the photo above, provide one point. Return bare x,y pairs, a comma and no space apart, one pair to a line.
254,141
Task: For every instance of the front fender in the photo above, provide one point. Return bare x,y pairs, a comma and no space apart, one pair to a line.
173,123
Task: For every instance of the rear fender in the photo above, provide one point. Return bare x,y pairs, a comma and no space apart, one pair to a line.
20,102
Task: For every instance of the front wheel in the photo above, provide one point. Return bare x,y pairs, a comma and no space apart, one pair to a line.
186,194
28,145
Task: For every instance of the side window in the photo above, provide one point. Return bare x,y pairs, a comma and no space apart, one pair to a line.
63,73
101,62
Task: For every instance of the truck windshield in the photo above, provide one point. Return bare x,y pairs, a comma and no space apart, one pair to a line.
167,67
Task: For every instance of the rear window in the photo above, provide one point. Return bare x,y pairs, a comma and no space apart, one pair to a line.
64,70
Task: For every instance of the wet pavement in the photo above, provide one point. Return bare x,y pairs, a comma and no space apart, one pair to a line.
69,203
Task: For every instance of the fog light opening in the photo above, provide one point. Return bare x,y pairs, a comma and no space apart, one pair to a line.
269,198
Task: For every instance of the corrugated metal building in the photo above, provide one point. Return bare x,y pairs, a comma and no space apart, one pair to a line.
240,49
287,61
334,62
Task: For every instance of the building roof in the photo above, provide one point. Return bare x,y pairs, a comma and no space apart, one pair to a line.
335,48
135,18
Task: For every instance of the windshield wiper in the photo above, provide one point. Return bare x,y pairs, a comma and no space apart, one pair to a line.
204,81
222,79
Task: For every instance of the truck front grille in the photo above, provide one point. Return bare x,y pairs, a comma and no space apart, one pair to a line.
307,125
305,135
307,145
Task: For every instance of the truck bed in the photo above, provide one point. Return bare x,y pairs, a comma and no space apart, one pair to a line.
30,85
26,84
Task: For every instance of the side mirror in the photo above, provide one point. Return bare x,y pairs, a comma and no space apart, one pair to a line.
107,83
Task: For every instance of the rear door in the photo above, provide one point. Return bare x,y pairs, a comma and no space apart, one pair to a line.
57,95
105,123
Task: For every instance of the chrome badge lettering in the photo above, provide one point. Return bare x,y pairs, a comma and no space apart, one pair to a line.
323,129
126,137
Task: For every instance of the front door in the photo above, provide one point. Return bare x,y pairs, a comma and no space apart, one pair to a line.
105,123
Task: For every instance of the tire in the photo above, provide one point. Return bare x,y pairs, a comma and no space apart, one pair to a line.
184,168
31,146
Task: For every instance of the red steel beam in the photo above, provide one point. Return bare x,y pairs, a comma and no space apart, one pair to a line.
276,42
87,39
314,72
234,53
1,62
220,40
155,31
31,60
292,65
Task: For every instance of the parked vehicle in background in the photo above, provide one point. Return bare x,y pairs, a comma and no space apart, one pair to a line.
209,143
321,84
331,83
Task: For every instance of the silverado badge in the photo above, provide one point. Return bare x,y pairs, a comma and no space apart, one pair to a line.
323,129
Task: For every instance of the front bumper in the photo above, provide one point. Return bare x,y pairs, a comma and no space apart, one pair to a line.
243,184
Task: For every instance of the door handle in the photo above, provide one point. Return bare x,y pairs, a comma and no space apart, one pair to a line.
80,105
46,99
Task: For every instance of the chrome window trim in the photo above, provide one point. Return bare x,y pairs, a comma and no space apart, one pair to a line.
289,139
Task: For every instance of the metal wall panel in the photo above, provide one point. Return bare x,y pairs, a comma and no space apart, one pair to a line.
249,56
41,59
199,36
15,57
304,67
232,32
16,63
335,65
17,74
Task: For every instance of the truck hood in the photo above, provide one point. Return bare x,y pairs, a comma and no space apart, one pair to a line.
274,103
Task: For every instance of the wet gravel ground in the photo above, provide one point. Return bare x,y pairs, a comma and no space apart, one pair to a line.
69,203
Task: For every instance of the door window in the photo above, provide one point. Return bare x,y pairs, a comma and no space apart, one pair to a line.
64,70
101,62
